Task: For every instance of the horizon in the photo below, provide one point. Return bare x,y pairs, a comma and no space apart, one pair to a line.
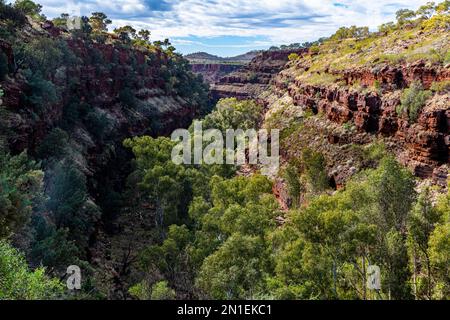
230,28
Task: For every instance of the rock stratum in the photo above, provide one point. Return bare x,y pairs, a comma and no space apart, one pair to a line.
255,77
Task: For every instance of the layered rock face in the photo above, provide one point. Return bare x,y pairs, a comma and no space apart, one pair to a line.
423,146
254,78
98,79
213,72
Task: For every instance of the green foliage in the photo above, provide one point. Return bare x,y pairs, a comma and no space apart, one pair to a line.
236,270
314,169
404,16
294,184
421,224
169,258
54,145
231,113
69,205
351,32
12,14
44,55
51,247
20,190
441,86
162,181
325,248
19,283
439,253
161,291
140,291
42,92
30,8
314,49
125,33
412,101
99,22
293,56
386,28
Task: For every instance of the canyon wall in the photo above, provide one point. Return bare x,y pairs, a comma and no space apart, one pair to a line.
255,77
213,72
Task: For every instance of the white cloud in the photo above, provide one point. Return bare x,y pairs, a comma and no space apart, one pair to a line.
281,21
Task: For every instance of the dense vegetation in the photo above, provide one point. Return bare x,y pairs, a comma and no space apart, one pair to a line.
50,202
199,231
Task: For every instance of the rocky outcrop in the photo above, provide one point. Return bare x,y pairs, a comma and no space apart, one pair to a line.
396,77
213,72
424,146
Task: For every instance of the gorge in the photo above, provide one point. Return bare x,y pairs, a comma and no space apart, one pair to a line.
87,176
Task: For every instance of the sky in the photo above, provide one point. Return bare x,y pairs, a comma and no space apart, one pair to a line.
232,27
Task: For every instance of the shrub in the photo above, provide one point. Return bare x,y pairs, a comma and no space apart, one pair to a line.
412,101
293,56
42,92
405,16
314,49
441,86
233,113
44,55
439,21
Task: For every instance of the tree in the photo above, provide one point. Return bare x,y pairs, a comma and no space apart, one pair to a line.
54,145
237,270
51,248
85,29
161,291
68,202
421,224
125,33
386,28
404,16
426,11
314,169
144,35
439,250
19,283
20,190
439,253
443,7
294,184
161,181
11,14
231,113
42,92
99,22
413,100
28,7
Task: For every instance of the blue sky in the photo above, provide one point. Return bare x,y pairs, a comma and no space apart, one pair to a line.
231,27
